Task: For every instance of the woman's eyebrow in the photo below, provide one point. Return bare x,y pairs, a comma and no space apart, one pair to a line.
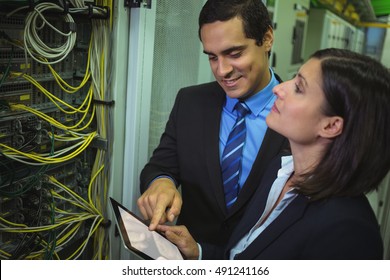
303,78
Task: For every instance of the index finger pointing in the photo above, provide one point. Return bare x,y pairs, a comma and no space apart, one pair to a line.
159,216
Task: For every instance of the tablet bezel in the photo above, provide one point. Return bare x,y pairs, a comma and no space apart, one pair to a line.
123,232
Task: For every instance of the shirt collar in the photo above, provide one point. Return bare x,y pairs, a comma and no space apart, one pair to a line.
287,166
258,102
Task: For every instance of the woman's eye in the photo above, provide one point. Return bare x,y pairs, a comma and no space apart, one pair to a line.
297,89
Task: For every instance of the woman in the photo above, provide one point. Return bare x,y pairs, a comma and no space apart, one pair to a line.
335,113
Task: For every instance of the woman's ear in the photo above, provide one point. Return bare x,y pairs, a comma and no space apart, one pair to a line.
332,127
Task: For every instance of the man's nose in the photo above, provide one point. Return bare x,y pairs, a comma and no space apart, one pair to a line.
224,68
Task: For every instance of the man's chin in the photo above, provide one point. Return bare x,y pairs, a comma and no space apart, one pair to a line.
237,94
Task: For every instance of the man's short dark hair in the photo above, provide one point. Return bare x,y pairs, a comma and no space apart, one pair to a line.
253,13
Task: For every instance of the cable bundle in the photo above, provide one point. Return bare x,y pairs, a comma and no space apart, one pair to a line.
38,49
69,219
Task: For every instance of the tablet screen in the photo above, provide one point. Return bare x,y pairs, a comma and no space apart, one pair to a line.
150,243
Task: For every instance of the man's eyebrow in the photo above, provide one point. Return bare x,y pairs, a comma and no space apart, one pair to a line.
208,53
227,51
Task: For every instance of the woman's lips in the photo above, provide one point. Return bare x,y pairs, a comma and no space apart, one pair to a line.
275,108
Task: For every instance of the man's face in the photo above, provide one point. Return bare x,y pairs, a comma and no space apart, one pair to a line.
239,65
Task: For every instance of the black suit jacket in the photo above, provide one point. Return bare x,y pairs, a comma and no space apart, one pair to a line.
189,153
336,228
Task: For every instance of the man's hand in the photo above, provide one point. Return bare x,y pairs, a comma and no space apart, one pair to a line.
181,237
160,202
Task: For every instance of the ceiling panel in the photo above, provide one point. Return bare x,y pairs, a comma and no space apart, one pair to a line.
365,10
381,7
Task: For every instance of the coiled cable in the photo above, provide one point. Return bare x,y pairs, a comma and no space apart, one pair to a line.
38,49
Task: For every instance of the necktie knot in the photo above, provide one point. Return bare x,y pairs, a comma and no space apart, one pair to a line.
242,109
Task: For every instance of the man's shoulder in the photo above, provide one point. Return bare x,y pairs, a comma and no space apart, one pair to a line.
210,92
205,87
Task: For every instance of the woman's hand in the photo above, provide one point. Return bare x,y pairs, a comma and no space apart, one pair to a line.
181,237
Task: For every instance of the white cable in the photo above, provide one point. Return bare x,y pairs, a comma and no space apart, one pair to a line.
16,10
35,47
88,237
78,3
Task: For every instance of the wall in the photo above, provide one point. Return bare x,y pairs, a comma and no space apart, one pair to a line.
385,59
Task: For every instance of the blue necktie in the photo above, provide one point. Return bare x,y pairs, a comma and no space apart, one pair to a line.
231,157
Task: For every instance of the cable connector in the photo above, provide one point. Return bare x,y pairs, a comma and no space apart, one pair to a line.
99,143
71,27
104,102
137,3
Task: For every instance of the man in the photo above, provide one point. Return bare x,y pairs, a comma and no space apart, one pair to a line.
237,36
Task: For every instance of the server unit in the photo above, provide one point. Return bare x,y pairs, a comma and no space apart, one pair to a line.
54,148
290,27
327,30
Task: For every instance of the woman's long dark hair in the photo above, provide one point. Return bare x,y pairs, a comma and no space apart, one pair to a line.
356,88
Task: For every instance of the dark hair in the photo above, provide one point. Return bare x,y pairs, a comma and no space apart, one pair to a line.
356,88
254,15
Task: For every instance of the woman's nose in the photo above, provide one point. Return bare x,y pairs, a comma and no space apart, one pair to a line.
280,89
277,89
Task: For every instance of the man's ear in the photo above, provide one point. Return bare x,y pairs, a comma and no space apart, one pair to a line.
332,127
268,39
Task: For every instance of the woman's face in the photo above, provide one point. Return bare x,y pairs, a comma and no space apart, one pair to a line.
297,111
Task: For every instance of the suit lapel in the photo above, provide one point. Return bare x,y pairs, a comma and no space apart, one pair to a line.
211,121
288,217
272,144
270,148
257,204
211,127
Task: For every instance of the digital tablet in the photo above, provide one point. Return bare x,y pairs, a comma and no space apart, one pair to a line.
137,238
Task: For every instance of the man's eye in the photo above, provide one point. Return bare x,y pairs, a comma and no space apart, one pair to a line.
235,55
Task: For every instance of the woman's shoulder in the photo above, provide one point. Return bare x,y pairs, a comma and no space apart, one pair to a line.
343,228
348,210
